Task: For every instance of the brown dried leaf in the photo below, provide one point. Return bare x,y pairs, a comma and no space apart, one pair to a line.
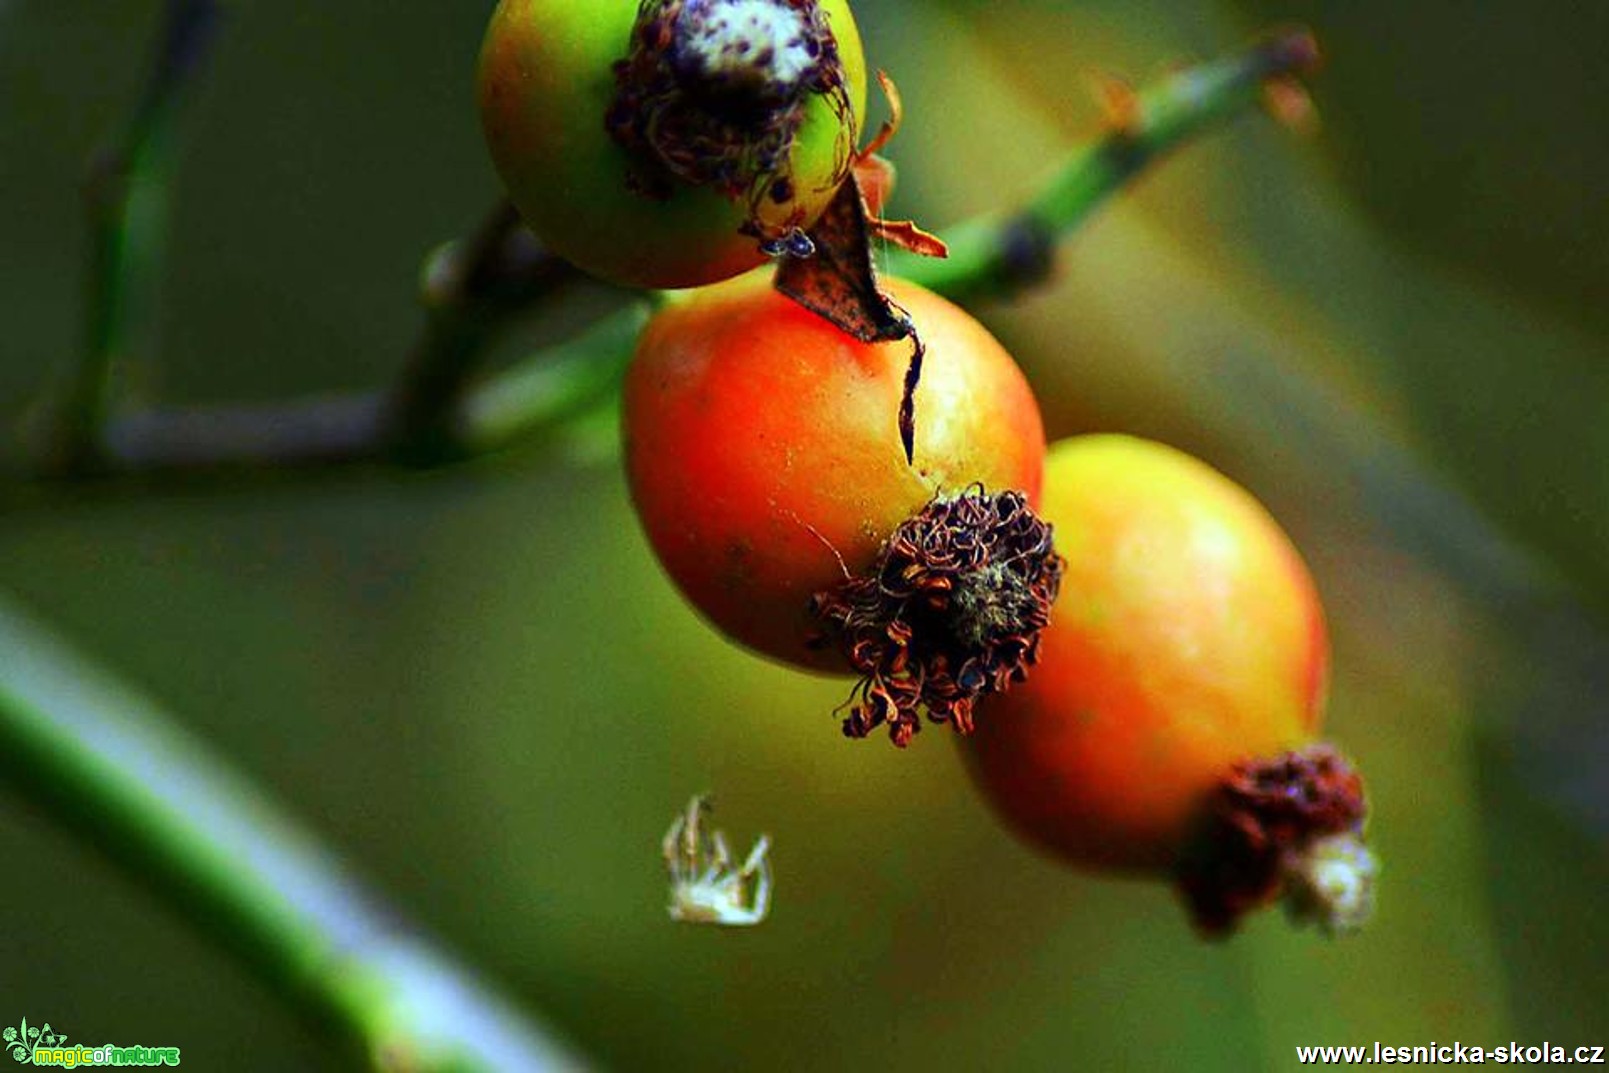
839,281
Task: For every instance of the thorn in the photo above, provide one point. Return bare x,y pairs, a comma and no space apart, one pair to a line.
1119,103
1288,101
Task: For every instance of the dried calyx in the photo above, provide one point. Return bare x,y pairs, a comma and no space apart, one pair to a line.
1288,827
713,93
951,610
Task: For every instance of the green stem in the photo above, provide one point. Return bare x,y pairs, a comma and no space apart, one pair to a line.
998,252
118,769
197,440
547,389
471,290
538,393
126,201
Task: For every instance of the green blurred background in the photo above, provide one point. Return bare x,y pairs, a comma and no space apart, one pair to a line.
477,685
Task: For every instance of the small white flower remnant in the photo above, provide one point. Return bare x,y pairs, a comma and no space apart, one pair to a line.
1331,883
704,886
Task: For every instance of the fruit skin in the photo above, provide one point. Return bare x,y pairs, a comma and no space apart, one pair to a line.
1188,635
762,447
545,85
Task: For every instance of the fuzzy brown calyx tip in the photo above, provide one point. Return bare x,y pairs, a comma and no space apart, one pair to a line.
713,93
951,610
1288,826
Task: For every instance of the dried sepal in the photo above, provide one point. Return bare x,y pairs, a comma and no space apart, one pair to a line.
951,611
891,125
1291,826
906,234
